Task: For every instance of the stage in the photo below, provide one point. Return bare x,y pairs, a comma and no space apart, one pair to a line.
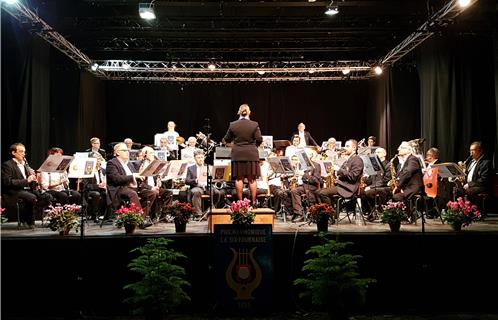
436,271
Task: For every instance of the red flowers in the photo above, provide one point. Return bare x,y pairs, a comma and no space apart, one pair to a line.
461,212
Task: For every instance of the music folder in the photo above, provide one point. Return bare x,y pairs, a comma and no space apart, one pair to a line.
154,168
448,170
55,163
371,165
82,168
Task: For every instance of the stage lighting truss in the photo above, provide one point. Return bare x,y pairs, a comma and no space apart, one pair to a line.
233,71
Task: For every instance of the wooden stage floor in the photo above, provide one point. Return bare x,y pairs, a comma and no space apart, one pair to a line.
490,224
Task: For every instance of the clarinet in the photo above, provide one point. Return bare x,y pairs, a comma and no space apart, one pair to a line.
33,185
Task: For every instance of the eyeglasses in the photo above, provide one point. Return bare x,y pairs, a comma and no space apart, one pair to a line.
123,150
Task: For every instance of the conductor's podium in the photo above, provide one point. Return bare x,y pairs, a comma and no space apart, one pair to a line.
222,216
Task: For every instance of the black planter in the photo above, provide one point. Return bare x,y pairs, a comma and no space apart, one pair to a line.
322,225
180,226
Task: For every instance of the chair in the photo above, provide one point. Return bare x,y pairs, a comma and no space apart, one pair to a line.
344,202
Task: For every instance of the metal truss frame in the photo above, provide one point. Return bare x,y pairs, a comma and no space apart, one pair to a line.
441,18
197,71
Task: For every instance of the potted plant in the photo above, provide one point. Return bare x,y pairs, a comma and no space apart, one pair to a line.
129,217
181,212
63,218
393,214
241,212
160,288
321,214
460,213
331,280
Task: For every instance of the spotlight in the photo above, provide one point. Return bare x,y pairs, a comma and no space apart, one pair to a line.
346,71
146,11
211,66
463,3
94,67
332,9
378,70
125,65
261,72
311,71
10,1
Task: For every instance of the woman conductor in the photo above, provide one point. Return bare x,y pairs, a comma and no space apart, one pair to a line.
246,136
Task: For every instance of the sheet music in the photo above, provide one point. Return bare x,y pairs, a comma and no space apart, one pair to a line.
56,163
449,170
153,168
82,168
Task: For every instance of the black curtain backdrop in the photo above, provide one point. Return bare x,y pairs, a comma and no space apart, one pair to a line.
457,94
329,109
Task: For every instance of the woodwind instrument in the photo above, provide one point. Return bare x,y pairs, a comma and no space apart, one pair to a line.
33,185
393,183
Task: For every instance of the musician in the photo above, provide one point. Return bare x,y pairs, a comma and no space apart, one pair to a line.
280,192
197,180
306,138
153,184
57,184
95,190
443,185
188,152
122,177
331,150
163,143
409,176
17,177
311,181
347,183
371,143
172,142
295,147
129,143
376,185
95,143
246,136
478,173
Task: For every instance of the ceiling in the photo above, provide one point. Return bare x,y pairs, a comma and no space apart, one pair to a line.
257,31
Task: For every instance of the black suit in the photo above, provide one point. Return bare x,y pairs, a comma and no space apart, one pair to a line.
15,186
347,183
481,178
311,182
308,139
246,137
118,183
101,151
409,179
94,195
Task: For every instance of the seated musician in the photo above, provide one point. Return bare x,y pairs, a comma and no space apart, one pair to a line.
292,149
129,143
197,180
311,181
95,143
478,173
188,152
347,183
330,151
409,180
19,182
57,184
376,185
444,187
122,178
95,191
153,184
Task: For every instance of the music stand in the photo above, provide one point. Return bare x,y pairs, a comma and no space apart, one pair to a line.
372,166
281,144
451,171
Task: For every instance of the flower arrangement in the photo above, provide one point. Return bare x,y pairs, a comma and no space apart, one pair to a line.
3,218
318,212
393,212
131,215
180,211
460,213
63,218
241,212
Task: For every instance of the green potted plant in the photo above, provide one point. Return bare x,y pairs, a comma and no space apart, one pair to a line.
129,218
331,280
160,288
241,212
63,218
460,213
181,212
393,214
321,214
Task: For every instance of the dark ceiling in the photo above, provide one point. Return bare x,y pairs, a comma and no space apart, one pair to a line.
248,30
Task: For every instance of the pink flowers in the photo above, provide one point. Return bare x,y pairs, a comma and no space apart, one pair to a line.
131,215
461,211
400,205
241,206
132,208
61,218
241,212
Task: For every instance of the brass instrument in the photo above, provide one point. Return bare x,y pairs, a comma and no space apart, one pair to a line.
293,182
330,178
363,184
461,180
393,183
220,185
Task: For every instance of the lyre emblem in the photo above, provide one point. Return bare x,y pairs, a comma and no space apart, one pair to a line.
243,275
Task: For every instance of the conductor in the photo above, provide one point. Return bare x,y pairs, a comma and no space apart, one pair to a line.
246,136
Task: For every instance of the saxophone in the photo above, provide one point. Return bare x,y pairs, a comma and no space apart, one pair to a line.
363,184
393,184
330,179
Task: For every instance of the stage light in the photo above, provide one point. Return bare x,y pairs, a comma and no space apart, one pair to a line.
378,70
211,66
10,1
261,72
346,71
146,11
94,67
332,9
125,65
311,71
463,3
